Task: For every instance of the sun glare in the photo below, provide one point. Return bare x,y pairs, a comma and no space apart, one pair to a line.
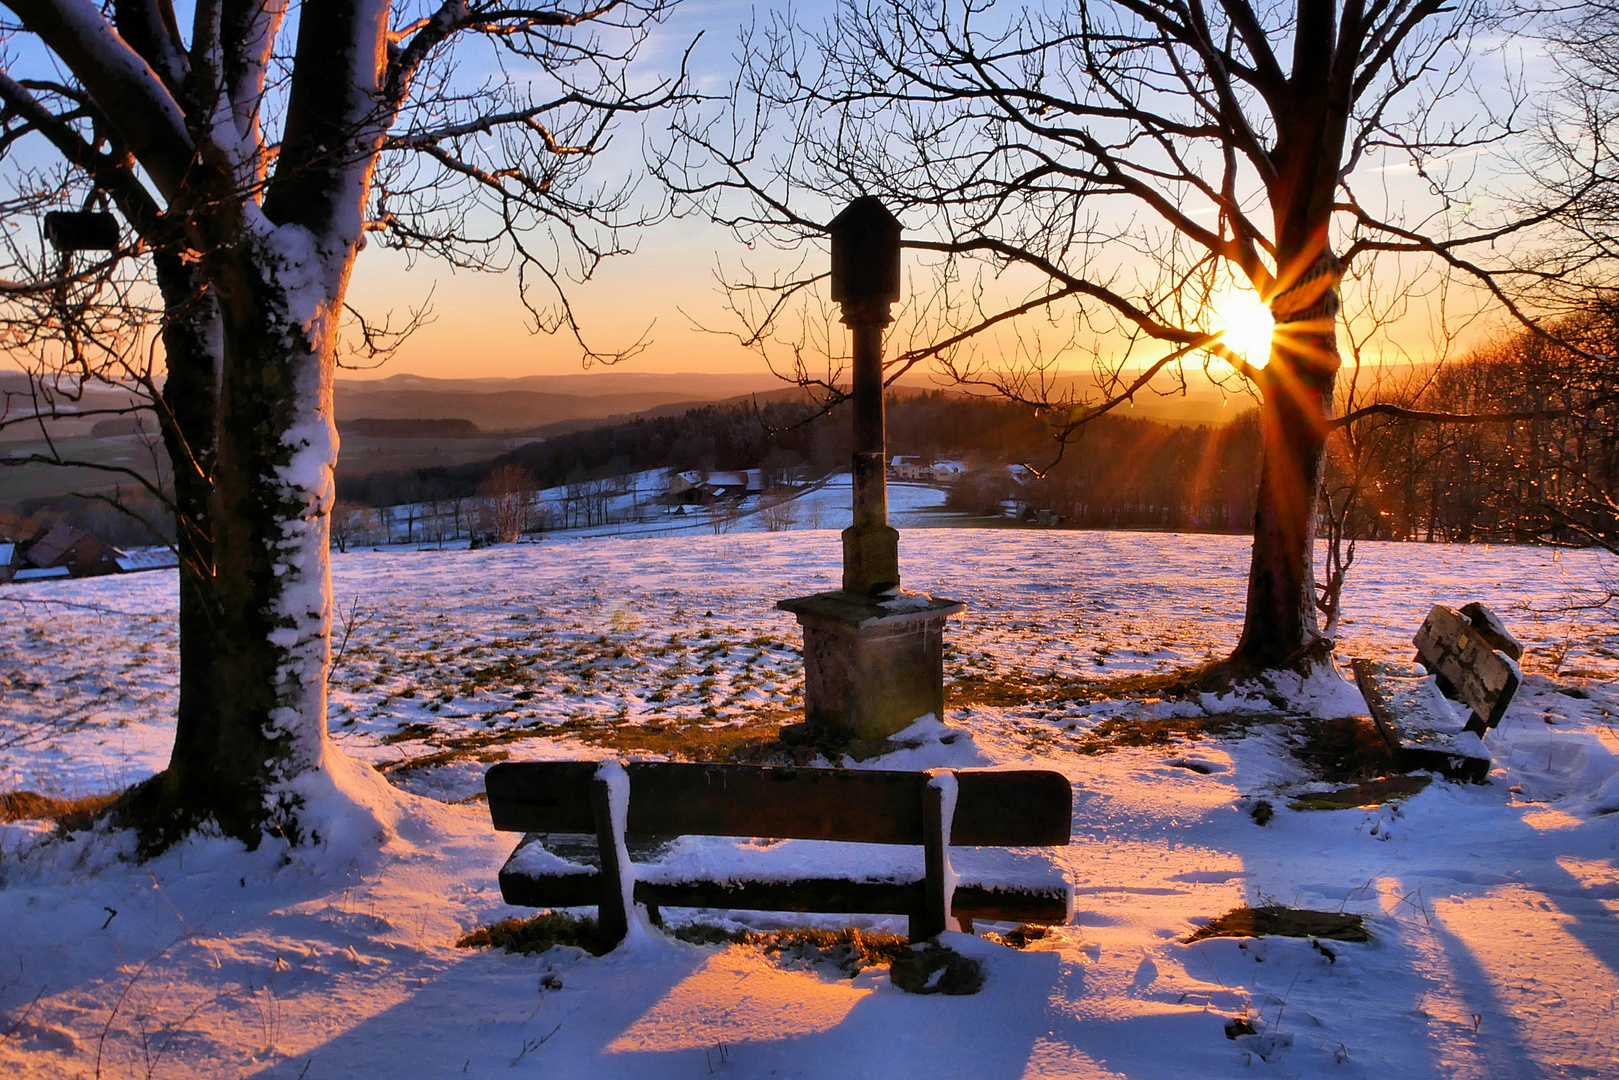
1245,325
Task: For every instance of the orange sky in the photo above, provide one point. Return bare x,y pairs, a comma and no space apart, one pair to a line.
481,329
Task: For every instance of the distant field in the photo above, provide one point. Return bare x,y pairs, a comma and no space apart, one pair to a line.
365,454
46,481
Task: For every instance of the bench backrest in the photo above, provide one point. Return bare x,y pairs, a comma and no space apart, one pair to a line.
1464,656
993,808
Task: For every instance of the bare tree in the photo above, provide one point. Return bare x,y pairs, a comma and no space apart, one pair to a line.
508,496
724,513
347,522
1574,163
1104,176
247,157
777,509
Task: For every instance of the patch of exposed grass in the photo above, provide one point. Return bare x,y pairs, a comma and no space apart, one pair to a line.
69,814
1277,921
1021,937
1370,793
1009,690
682,739
409,733
1180,683
688,739
538,934
850,950
1014,688
936,969
1121,732
1342,751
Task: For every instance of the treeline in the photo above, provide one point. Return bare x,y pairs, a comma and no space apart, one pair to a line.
775,436
1120,473
1552,474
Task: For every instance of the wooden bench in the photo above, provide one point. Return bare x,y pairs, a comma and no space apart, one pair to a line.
1473,660
571,856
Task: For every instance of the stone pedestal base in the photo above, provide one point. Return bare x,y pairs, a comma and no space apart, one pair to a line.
872,665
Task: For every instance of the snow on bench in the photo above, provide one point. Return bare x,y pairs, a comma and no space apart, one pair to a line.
1468,659
933,846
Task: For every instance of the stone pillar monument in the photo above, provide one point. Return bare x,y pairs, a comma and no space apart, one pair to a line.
873,655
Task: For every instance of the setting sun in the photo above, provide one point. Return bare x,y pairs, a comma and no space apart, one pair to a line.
1244,324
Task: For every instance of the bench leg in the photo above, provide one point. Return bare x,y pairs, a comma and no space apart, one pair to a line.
611,917
935,904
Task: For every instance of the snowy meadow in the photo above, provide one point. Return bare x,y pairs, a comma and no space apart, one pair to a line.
1494,947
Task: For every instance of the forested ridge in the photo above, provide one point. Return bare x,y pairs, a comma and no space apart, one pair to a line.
1120,472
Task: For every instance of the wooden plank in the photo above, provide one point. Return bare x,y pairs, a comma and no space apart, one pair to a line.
1016,808
994,808
1489,626
612,916
1482,679
1048,906
1417,740
563,890
1375,704
542,796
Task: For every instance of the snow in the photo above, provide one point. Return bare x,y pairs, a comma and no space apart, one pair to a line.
1492,908
944,781
640,933
824,504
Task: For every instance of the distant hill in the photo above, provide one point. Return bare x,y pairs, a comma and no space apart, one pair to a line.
537,401
411,428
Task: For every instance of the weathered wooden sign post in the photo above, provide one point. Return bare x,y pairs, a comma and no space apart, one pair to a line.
873,656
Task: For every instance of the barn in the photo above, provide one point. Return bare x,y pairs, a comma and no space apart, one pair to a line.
66,551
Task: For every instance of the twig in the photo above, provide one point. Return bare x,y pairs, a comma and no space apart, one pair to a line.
26,600
14,1028
535,1044
351,622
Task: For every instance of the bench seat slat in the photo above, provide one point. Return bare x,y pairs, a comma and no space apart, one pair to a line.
999,903
1420,727
994,808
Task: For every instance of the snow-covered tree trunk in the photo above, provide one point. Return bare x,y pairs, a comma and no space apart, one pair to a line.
280,272
252,235
254,290
273,488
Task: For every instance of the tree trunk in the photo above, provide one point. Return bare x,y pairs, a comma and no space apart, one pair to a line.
1280,628
274,493
255,601
1281,620
178,798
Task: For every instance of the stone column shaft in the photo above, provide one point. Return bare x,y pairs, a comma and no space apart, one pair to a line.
870,547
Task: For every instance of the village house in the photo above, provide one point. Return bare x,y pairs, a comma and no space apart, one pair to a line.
64,551
701,487
911,467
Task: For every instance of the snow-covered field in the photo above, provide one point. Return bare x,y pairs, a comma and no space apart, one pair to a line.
826,503
1495,949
